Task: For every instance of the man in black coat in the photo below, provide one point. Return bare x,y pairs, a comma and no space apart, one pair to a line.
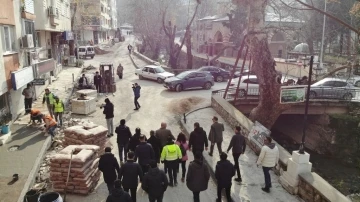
108,165
238,145
155,183
97,82
156,145
198,139
118,194
109,116
123,138
135,140
224,172
145,153
129,174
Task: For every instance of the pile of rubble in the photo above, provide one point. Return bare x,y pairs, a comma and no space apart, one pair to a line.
84,174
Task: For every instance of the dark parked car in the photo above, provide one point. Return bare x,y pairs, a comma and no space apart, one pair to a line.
189,80
218,73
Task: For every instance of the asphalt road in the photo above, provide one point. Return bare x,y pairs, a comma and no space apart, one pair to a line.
156,107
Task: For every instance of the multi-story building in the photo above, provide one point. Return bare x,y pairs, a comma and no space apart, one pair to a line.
16,37
53,33
95,20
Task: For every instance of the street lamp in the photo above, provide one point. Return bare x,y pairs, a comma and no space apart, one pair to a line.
302,145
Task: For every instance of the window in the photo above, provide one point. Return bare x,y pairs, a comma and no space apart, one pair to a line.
329,83
200,75
152,71
8,37
192,75
29,29
340,84
357,84
145,69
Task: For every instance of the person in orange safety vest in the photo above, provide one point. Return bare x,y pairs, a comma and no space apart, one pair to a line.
50,124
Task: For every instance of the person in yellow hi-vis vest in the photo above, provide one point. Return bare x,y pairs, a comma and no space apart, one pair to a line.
58,109
49,99
50,124
171,156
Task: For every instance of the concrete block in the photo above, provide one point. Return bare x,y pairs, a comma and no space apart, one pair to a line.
300,158
83,106
5,138
294,169
289,185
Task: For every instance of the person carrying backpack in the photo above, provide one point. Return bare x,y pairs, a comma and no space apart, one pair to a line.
171,156
181,141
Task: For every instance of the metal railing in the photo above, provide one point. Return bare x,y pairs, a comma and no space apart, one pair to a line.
335,94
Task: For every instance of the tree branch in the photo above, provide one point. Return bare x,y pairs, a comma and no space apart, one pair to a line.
330,16
163,24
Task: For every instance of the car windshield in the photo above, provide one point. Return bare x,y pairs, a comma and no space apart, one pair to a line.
182,75
159,70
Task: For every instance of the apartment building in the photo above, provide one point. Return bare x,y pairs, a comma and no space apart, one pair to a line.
53,34
95,20
16,37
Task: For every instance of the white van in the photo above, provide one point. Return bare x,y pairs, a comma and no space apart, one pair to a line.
86,51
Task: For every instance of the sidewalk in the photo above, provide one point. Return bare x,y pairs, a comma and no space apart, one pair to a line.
26,160
253,178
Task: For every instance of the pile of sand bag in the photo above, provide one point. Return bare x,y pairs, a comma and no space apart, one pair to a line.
84,173
86,134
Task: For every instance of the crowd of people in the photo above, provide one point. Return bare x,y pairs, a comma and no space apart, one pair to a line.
140,159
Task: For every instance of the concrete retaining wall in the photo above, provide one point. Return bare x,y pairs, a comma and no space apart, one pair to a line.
312,187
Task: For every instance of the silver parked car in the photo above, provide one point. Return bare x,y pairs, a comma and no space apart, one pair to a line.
333,88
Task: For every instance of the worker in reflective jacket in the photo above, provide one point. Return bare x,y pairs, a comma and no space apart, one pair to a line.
35,115
50,125
49,99
58,109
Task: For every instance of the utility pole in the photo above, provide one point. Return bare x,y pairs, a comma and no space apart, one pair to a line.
322,40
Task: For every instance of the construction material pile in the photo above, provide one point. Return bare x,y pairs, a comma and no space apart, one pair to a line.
84,173
99,51
86,134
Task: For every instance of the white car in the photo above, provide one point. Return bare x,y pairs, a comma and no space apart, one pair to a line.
86,51
249,85
153,72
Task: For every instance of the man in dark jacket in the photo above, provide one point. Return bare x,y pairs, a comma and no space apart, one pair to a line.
238,145
136,89
198,176
118,194
155,183
198,139
145,153
224,172
135,140
216,135
109,116
129,174
156,145
123,138
163,133
108,165
83,82
97,81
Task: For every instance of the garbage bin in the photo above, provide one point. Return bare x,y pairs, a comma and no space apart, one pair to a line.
50,197
32,196
5,129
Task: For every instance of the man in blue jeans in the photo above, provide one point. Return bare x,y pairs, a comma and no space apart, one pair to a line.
136,88
268,158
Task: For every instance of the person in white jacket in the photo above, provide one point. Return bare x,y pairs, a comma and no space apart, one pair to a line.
268,158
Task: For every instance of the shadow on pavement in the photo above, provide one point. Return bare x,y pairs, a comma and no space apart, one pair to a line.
21,132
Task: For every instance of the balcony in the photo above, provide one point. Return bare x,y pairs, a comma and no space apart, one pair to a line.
53,14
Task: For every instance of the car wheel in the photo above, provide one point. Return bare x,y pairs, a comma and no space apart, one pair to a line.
242,93
347,96
179,88
92,57
312,95
219,79
207,85
159,80
141,77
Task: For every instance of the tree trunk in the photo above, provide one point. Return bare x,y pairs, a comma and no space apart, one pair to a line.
310,43
173,60
269,107
188,50
348,43
341,43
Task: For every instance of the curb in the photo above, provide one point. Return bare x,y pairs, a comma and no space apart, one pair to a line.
132,60
35,169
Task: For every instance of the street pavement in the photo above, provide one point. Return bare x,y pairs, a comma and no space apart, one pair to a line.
154,101
252,176
31,141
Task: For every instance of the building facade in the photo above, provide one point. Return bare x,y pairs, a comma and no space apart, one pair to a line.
95,20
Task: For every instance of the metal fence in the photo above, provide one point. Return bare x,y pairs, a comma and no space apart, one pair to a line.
336,94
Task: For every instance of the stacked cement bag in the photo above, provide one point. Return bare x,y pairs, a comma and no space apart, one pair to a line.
88,134
84,173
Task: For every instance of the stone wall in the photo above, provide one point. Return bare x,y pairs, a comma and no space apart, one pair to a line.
313,188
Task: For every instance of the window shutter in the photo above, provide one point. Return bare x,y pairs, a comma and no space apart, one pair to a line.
29,6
